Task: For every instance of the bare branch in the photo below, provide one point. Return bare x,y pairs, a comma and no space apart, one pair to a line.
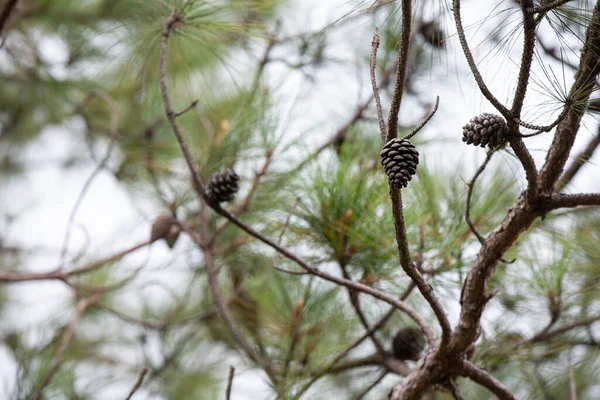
138,383
484,378
529,27
401,71
574,200
374,46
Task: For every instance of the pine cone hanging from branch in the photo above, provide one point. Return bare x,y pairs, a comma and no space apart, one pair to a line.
223,185
399,159
485,130
408,344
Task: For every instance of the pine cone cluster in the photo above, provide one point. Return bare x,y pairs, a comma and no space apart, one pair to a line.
485,130
399,159
223,185
408,344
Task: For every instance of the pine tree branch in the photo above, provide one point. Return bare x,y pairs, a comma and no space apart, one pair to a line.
523,213
168,26
574,200
409,267
62,275
486,380
199,188
473,66
585,80
392,124
579,162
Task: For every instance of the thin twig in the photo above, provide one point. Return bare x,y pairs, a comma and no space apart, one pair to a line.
471,186
541,128
372,65
529,28
392,131
229,383
362,394
167,27
485,379
188,108
426,120
472,65
82,305
60,274
138,383
114,133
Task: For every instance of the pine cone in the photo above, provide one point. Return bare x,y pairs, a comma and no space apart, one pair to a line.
161,226
432,34
408,344
223,185
172,235
399,159
485,130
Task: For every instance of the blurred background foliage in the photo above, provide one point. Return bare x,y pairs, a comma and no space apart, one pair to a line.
79,67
